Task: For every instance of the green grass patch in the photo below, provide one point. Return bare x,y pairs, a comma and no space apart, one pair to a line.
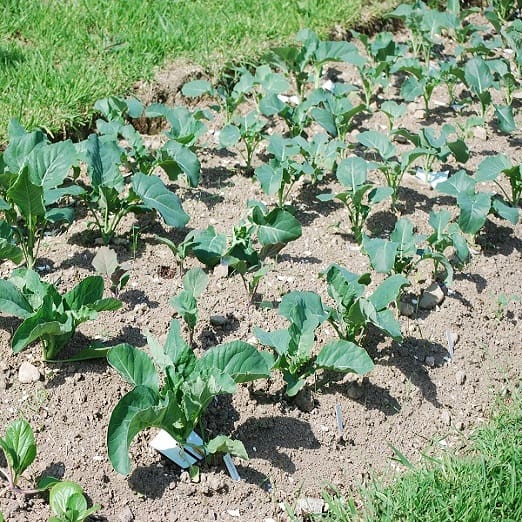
484,484
59,56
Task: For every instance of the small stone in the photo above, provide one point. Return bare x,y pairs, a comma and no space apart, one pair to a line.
431,297
234,512
460,377
184,477
28,373
218,320
355,391
304,400
430,361
126,515
445,417
310,506
406,309
480,133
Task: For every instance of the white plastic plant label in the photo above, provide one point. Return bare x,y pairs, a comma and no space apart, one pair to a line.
185,456
432,178
231,467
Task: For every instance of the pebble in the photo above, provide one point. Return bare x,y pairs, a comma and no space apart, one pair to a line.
233,512
480,133
431,297
310,506
355,391
460,377
28,373
218,320
430,361
126,515
406,309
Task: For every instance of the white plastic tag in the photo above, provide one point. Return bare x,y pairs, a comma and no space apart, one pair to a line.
184,456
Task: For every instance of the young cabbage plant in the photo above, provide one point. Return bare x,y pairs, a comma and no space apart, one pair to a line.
105,262
392,167
293,346
110,196
359,194
180,250
50,317
189,385
249,130
490,169
305,64
335,112
68,503
393,112
353,312
401,253
185,303
33,184
475,206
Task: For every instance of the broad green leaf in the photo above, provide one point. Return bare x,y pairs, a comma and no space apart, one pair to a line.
439,221
379,194
459,242
388,291
405,238
459,150
27,196
459,183
105,261
87,291
344,356
139,409
58,215
60,498
103,159
325,119
278,226
133,365
506,122
157,196
382,253
10,251
477,75
378,142
240,360
362,312
21,144
187,307
473,211
277,339
181,160
107,304
270,178
294,384
411,89
310,302
195,281
196,88
229,136
12,301
504,210
49,165
223,444
387,322
491,167
209,246
271,104
20,444
352,172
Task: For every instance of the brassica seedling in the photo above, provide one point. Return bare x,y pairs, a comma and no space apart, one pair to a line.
68,503
179,403
105,262
294,345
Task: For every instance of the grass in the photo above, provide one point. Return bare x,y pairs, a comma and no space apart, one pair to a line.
483,485
59,56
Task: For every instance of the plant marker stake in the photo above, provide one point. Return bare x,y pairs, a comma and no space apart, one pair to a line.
231,467
339,417
184,457
449,338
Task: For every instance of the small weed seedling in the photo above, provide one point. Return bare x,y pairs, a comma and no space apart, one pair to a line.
189,386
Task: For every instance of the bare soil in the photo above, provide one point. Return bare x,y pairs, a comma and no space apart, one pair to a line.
417,395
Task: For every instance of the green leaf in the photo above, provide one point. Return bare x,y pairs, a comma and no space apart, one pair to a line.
187,307
506,122
388,291
12,301
382,253
195,281
459,150
86,292
10,251
459,183
477,75
491,167
65,497
133,365
181,160
240,360
404,237
352,172
344,356
156,195
209,246
19,446
473,211
49,165
310,304
27,196
196,88
271,104
378,142
229,136
278,226
139,409
223,444
277,339
387,322
21,144
270,178
505,211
